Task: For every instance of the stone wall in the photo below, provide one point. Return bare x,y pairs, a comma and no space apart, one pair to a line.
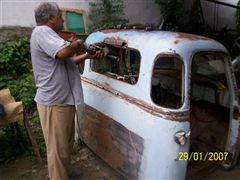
12,32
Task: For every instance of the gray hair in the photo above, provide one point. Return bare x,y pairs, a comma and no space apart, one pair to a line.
44,10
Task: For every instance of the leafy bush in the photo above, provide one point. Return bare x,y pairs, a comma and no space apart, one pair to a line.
12,144
173,13
15,58
16,74
16,71
23,89
106,13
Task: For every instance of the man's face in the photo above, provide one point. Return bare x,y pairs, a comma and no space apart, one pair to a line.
56,22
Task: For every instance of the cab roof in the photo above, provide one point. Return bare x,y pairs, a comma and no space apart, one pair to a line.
157,42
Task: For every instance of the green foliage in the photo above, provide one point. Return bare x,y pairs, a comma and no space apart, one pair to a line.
12,144
15,70
106,13
23,89
173,13
16,74
15,58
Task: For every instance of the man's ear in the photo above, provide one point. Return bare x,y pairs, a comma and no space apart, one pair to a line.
50,18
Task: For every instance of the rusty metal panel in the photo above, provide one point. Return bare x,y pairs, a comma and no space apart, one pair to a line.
114,143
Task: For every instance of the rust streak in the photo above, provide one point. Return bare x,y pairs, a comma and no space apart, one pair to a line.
104,122
115,41
112,30
157,111
168,54
176,41
192,37
236,113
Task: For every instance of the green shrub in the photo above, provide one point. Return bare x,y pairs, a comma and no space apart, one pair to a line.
173,13
16,72
23,89
12,144
15,58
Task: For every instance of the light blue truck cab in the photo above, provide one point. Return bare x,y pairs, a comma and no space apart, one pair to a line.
160,105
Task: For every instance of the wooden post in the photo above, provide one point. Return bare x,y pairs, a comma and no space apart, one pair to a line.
32,139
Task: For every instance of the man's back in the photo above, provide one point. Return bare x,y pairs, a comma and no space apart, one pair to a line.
52,74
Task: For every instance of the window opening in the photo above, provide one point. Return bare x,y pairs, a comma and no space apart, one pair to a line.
121,63
167,82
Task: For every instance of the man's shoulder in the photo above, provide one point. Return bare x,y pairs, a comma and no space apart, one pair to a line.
42,29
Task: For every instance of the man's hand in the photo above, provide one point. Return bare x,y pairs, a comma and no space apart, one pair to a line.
79,58
79,45
98,55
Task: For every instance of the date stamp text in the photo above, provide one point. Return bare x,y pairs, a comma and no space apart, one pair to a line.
200,156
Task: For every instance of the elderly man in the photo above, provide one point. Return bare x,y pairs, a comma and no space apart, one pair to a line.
58,86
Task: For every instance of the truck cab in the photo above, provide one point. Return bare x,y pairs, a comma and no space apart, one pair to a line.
160,103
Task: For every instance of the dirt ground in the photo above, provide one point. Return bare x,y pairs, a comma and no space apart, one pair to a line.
90,166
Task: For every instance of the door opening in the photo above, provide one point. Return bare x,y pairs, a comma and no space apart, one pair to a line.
209,113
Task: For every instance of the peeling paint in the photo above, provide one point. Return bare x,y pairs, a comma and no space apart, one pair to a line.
191,37
154,110
112,30
114,143
117,41
236,113
169,54
176,41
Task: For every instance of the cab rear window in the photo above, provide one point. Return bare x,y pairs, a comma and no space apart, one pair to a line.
167,82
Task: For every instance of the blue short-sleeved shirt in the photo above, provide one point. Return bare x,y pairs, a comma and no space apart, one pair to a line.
57,80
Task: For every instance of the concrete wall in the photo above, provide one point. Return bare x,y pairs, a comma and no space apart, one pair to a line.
17,16
9,33
21,12
142,12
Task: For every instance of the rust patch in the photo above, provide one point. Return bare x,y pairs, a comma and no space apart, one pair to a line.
169,54
114,30
236,113
114,143
113,157
191,37
176,41
88,131
106,85
154,110
104,143
103,121
115,41
104,148
111,30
